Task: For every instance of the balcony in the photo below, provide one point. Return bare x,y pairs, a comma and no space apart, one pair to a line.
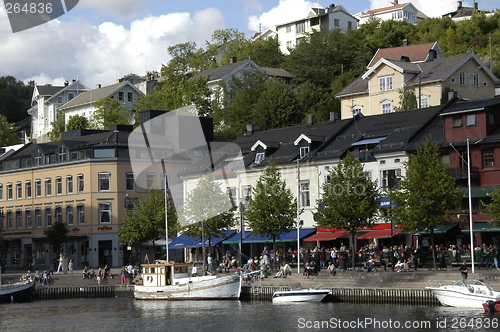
460,173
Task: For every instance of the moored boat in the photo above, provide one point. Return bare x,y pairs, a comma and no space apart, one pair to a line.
491,306
465,293
169,281
301,295
21,291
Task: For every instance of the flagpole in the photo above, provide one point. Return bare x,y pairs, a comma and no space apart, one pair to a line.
166,218
470,207
298,216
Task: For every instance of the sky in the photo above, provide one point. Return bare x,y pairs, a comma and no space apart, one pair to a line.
99,41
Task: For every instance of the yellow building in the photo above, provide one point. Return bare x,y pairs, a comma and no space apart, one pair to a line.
391,71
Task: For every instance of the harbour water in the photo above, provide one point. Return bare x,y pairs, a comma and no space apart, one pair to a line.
128,314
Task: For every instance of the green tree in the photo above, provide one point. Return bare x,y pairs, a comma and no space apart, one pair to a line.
494,206
56,235
77,122
349,200
207,211
58,126
407,99
272,209
8,133
426,194
109,112
146,220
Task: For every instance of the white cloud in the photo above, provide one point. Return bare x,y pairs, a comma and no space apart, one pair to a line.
122,9
59,51
285,11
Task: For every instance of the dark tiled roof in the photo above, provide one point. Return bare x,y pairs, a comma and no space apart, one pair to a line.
93,95
416,53
219,72
359,85
477,104
48,90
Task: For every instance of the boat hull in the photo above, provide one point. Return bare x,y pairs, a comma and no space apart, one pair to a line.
217,288
453,298
17,292
300,296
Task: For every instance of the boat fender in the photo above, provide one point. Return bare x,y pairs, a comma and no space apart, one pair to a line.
491,306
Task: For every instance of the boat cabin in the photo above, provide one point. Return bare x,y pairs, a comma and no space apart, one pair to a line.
164,274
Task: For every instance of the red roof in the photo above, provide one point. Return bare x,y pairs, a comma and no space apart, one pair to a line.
416,53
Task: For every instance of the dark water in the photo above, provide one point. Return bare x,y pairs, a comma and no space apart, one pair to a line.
124,314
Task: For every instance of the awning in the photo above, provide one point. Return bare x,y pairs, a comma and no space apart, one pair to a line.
287,237
325,236
379,234
482,227
477,192
183,241
368,141
439,229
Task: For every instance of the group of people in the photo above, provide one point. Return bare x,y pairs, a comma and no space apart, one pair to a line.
40,278
101,274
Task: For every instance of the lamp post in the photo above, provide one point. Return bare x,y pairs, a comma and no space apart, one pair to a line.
298,215
165,183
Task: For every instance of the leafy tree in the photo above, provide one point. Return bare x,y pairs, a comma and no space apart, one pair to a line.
207,211
8,134
56,235
77,122
426,194
15,99
272,209
407,99
494,206
109,112
58,126
146,220
348,200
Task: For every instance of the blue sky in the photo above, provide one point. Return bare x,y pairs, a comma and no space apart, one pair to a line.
101,40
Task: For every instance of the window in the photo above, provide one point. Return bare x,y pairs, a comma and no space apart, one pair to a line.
129,181
27,216
475,80
104,181
349,24
232,195
69,184
130,96
9,220
38,217
70,96
104,153
121,96
80,214
462,78
336,23
491,121
424,101
301,27
1,192
19,220
80,183
48,187
390,178
289,44
457,122
9,190
246,192
288,29
386,107
48,217
19,190
104,213
259,157
59,186
470,120
69,215
385,83
27,188
150,180
304,151
38,188
488,158
58,214
59,100
62,154
304,193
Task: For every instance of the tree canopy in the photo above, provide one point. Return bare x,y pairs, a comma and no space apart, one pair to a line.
494,206
109,112
77,122
56,235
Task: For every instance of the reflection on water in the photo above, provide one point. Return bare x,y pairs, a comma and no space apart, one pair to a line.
122,314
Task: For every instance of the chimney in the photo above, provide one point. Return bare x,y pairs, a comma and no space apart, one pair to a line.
452,95
311,119
432,55
405,58
395,2
97,86
476,5
459,5
66,83
405,42
232,60
334,116
252,128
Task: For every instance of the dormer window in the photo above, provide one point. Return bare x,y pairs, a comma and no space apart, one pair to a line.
259,157
304,151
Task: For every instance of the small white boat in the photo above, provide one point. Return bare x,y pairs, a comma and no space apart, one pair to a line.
21,291
167,281
465,294
301,295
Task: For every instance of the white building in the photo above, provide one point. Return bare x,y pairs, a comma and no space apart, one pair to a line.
395,11
330,18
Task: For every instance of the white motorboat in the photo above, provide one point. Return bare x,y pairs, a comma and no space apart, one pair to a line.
464,293
301,295
168,281
21,291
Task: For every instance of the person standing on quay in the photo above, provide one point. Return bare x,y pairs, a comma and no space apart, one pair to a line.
70,266
463,269
60,260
